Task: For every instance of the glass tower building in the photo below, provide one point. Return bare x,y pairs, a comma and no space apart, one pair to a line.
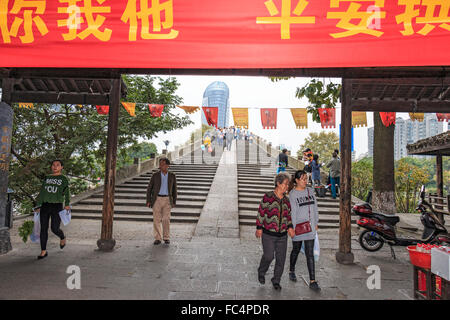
217,95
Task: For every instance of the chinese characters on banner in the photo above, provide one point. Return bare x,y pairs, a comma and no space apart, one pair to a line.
327,117
387,118
204,34
156,110
300,117
269,118
211,115
240,117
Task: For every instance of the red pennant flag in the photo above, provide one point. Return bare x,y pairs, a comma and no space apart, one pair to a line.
102,109
269,118
443,116
156,110
388,118
211,114
327,117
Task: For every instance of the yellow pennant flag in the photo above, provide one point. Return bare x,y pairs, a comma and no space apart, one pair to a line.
240,117
130,107
416,116
26,105
188,109
359,119
300,117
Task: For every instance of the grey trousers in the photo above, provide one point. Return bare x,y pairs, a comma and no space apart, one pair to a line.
273,245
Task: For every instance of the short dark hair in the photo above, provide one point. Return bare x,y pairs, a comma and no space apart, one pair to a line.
167,161
336,150
335,154
316,157
284,150
60,161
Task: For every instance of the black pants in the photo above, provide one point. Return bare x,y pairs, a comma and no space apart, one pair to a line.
50,210
273,245
309,252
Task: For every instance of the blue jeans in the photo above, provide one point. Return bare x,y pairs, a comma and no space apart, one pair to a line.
333,182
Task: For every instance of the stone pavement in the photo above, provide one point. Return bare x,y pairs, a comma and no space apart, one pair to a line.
190,268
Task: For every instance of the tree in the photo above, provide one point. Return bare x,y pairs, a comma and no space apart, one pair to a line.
362,172
78,137
322,143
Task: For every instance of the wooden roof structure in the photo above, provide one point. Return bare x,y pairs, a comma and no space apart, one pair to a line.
436,145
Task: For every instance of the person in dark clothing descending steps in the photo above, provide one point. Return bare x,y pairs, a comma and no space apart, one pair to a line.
282,161
53,196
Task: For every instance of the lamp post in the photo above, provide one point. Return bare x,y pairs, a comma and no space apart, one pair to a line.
166,142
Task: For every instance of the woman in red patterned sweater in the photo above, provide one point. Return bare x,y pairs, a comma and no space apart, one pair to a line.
273,224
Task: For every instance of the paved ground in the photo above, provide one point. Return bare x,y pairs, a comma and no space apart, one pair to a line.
190,268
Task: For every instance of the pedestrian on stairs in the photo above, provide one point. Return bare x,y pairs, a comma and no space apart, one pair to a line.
162,197
335,173
282,161
53,196
273,224
230,137
303,209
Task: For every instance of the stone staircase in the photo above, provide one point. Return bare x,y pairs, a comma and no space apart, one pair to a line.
193,182
255,179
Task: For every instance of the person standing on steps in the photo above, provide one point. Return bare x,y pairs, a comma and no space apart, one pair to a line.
273,224
282,161
229,138
303,210
53,196
315,174
162,197
335,173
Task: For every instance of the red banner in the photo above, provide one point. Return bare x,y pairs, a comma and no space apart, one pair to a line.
388,118
224,34
443,116
156,110
327,117
211,114
102,109
269,118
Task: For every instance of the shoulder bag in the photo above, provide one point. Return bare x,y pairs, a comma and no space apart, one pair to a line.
304,227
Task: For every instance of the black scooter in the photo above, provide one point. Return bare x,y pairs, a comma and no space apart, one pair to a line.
380,228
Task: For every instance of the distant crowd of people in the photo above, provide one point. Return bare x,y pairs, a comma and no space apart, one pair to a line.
223,137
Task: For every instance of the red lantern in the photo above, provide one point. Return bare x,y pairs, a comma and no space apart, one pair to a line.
388,118
102,109
156,110
327,117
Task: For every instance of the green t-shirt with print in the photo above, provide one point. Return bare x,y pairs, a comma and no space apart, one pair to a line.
55,189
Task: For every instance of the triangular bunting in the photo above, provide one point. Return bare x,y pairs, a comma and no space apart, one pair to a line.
211,115
443,116
130,107
269,118
416,116
387,118
300,117
26,105
240,117
327,117
359,119
156,110
102,109
189,109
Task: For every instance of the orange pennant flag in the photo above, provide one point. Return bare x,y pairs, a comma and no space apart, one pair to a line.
188,109
416,116
26,105
130,107
359,119
300,117
240,117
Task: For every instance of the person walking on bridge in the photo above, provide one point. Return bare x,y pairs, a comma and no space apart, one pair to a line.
162,197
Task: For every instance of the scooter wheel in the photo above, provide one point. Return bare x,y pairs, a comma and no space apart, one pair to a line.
370,241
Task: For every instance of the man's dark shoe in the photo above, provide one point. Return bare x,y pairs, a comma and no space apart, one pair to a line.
314,286
167,241
292,276
157,242
261,279
277,286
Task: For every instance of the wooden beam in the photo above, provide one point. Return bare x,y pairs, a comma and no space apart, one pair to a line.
443,149
344,255
440,184
31,84
63,85
7,90
43,85
53,85
98,86
400,106
106,242
412,81
61,98
73,83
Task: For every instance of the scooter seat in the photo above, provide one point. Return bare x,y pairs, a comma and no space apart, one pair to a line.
388,218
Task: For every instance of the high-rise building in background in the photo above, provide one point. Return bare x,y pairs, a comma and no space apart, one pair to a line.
408,131
217,94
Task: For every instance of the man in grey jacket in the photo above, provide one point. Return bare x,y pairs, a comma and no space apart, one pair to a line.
335,173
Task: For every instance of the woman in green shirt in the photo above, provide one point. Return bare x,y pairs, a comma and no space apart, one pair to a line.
54,195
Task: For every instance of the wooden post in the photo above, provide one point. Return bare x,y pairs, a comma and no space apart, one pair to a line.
440,183
344,255
106,242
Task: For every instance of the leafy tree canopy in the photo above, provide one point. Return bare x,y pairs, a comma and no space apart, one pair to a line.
322,143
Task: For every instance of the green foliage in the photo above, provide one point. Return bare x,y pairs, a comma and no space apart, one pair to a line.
322,143
362,177
26,229
204,128
78,136
319,96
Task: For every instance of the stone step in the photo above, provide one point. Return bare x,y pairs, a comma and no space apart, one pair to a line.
322,225
177,211
199,177
134,217
192,172
179,187
188,191
252,212
142,195
179,183
141,202
256,201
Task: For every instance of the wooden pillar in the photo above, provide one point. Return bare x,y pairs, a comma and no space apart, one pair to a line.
344,255
439,183
106,242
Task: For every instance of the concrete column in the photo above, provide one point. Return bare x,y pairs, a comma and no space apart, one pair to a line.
6,122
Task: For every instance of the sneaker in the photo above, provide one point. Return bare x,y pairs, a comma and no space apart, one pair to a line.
277,286
167,241
314,286
157,242
261,279
292,276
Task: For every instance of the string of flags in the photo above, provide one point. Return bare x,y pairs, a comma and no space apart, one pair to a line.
268,115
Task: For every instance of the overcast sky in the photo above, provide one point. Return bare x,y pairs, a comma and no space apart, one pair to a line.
260,92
